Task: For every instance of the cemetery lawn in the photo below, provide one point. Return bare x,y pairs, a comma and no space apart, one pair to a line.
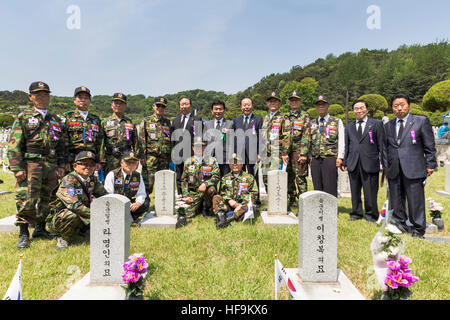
201,262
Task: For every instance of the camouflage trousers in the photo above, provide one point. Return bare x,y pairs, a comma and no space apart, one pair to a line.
220,205
297,173
200,198
65,223
153,165
34,194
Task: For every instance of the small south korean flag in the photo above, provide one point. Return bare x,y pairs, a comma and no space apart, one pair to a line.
15,288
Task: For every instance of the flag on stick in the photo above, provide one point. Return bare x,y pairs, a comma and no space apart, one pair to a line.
14,291
281,278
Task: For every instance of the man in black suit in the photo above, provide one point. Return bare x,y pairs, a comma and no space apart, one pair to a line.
363,146
184,128
409,156
246,130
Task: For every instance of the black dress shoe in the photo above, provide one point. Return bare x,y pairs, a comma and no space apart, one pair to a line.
417,235
403,228
353,218
370,219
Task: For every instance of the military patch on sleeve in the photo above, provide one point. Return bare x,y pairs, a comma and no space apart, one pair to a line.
71,191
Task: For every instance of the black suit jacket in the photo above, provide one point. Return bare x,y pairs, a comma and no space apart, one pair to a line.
252,137
177,124
415,157
368,149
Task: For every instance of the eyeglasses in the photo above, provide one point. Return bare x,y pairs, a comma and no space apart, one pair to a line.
86,164
399,105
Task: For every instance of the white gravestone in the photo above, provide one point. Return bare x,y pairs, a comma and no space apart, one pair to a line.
164,215
446,191
317,275
344,184
277,189
110,238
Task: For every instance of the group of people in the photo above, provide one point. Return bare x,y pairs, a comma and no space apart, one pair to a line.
54,159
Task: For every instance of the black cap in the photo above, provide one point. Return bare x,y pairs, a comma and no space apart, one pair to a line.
321,99
85,155
120,96
294,95
161,101
82,89
39,86
273,95
129,155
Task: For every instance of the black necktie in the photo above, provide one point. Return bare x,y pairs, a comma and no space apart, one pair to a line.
322,122
400,131
218,125
360,122
246,122
127,182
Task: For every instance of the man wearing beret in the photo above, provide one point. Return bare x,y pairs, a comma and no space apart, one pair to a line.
199,180
236,189
129,183
277,139
155,138
36,156
298,166
82,130
120,134
71,211
327,148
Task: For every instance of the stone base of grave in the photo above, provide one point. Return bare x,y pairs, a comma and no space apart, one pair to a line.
431,228
151,220
7,224
279,220
443,193
84,290
4,192
343,289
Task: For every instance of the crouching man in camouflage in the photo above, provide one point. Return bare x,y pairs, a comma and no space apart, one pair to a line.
199,180
236,189
129,183
71,211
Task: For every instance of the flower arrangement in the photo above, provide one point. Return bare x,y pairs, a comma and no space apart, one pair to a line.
135,270
399,279
435,208
180,205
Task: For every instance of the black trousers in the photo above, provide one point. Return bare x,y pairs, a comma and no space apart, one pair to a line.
369,183
402,189
141,210
324,175
179,171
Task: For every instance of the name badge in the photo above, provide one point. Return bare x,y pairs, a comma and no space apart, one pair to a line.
118,181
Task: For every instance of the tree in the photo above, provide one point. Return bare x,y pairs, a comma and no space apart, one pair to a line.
375,102
437,97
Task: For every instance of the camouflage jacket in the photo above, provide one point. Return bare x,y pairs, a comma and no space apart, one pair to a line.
120,136
325,144
300,131
72,194
155,136
34,139
127,188
82,135
238,189
195,173
279,127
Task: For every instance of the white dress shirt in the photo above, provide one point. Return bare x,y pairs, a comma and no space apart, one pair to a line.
341,135
397,124
42,112
363,124
109,186
84,114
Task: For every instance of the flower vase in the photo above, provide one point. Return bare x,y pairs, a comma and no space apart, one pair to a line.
135,297
439,222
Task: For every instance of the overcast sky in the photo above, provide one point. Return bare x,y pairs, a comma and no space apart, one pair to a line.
156,47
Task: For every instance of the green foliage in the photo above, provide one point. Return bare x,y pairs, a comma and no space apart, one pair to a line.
312,112
376,102
335,109
378,114
6,120
417,110
438,97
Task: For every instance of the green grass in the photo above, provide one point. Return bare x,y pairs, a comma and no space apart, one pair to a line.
201,262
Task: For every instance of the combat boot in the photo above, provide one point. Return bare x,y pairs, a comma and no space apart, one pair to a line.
62,243
181,221
24,237
40,232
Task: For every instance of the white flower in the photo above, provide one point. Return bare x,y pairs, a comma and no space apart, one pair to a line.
393,229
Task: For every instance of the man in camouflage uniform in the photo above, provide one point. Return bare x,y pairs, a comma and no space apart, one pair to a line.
298,166
120,134
276,141
35,153
199,180
236,189
81,128
327,148
129,183
71,211
155,138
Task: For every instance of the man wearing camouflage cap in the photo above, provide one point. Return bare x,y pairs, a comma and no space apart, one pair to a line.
120,134
298,166
327,148
129,183
277,140
236,189
35,153
71,211
155,138
82,130
199,180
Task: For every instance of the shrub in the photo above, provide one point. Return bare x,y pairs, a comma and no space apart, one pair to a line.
437,97
376,102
